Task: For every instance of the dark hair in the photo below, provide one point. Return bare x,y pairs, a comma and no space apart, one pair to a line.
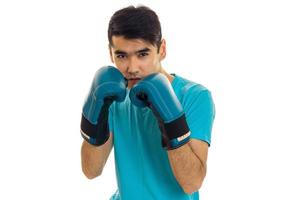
135,23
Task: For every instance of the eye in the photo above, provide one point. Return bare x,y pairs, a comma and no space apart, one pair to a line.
121,56
143,54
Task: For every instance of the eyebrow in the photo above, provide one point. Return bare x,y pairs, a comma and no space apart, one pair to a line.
139,51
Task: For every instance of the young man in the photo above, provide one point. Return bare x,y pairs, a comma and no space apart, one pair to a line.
158,123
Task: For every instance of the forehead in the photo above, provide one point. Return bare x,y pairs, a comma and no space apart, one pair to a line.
130,45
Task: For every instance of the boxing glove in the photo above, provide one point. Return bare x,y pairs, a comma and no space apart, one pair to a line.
108,85
156,92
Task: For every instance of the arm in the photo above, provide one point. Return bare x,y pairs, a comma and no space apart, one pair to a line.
93,158
187,157
188,164
108,85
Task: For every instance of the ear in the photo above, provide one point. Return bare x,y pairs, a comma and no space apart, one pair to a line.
162,49
110,53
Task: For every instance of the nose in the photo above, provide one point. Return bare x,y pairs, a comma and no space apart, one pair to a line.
133,67
133,73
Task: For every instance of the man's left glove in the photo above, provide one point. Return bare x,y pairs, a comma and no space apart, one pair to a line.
156,92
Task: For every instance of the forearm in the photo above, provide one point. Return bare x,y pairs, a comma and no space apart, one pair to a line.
187,168
94,158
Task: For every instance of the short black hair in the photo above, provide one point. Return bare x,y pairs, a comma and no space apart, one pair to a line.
135,23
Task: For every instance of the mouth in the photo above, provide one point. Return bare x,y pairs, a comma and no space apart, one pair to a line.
133,81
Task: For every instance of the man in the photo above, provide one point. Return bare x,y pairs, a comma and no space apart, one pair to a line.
158,123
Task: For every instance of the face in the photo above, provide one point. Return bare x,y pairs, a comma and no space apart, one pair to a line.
136,58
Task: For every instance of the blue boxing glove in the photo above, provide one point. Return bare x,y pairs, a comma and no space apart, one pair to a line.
108,85
156,92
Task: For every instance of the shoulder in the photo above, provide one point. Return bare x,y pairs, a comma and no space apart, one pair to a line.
198,105
186,89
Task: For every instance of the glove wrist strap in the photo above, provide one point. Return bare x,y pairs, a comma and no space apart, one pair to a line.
97,134
177,133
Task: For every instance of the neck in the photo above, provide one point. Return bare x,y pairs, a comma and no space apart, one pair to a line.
169,76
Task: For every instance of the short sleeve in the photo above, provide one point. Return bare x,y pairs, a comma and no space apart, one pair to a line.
200,113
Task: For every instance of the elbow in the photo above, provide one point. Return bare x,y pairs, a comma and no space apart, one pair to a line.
193,185
191,188
91,175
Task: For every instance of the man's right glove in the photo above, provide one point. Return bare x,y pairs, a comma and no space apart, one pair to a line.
108,85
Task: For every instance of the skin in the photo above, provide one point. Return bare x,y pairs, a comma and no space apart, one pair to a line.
136,58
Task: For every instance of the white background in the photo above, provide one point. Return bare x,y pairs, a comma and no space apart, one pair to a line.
246,52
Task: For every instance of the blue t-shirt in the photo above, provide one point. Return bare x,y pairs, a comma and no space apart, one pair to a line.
142,166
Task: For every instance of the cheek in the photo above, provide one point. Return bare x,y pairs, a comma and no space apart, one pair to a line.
120,64
153,65
121,68
148,69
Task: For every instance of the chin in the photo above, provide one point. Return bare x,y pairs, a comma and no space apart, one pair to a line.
129,86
